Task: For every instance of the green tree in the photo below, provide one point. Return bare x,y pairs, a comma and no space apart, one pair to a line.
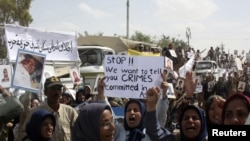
164,41
13,11
138,36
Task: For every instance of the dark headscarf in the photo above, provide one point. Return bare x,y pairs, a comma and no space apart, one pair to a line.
203,131
79,91
86,127
87,96
135,134
232,97
33,128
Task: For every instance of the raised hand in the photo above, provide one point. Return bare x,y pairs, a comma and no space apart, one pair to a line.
100,89
190,84
153,95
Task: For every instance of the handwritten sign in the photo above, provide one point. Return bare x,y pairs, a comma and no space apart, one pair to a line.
56,46
131,76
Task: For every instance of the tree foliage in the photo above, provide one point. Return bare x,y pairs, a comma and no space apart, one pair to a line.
13,11
138,36
163,41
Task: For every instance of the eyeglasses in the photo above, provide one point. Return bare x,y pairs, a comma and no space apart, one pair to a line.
107,124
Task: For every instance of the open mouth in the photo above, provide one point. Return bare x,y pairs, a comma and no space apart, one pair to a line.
131,119
190,129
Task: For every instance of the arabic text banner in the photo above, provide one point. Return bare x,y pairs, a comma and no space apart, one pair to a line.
56,46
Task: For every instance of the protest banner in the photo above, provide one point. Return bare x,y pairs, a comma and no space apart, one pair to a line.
131,76
56,46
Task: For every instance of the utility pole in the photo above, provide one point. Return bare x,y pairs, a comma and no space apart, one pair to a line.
127,19
188,35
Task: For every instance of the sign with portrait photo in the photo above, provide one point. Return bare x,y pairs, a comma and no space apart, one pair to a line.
235,52
98,77
5,75
179,85
168,63
28,70
241,86
75,76
210,86
170,91
172,52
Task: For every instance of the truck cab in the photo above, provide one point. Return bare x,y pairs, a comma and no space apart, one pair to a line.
204,67
92,58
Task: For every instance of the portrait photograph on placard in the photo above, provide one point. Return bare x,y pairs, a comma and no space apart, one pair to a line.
5,75
98,78
210,86
28,70
179,85
235,52
170,91
166,72
75,76
168,63
241,86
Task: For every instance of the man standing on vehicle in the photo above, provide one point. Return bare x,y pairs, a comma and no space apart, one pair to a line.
65,115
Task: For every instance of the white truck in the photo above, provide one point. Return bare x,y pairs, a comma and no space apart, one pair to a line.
204,67
92,59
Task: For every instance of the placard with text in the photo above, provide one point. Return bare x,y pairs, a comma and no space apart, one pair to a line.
131,76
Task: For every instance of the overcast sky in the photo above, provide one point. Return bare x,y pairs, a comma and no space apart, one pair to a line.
212,22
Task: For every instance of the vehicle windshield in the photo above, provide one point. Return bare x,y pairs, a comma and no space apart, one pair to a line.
203,65
90,57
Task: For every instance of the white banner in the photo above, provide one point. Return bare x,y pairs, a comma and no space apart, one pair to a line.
56,46
131,76
188,66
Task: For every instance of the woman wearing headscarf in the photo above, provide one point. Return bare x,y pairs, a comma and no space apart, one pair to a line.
192,124
94,123
134,120
191,118
236,109
40,127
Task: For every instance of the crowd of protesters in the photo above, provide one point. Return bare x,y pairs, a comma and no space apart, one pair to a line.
85,116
